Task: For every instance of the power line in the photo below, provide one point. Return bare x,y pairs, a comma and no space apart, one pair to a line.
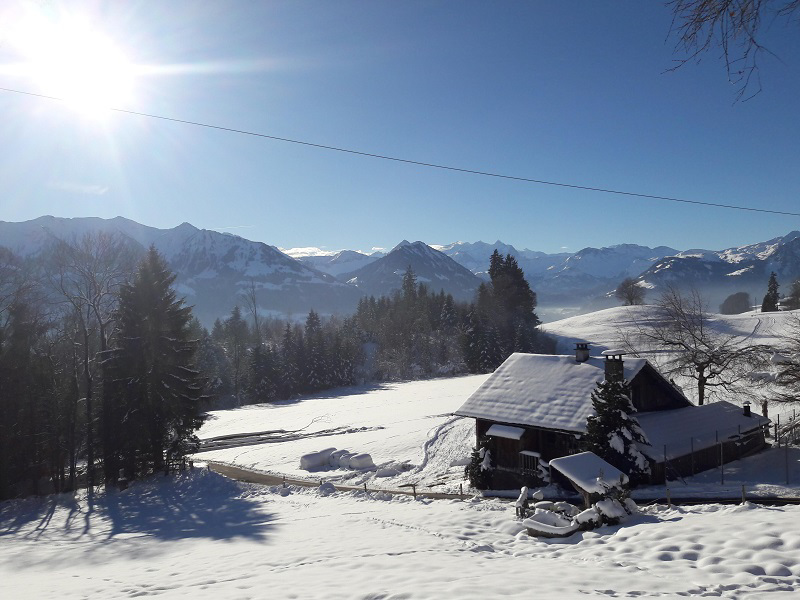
427,164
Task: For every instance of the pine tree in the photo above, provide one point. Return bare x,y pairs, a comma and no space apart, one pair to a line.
263,374
150,378
612,432
316,376
409,286
289,370
770,303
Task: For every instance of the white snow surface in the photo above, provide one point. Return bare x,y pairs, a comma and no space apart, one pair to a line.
694,427
405,427
542,390
505,431
201,536
605,329
589,471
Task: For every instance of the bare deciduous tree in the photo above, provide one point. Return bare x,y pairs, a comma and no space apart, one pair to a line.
629,293
87,273
788,377
250,299
734,26
680,338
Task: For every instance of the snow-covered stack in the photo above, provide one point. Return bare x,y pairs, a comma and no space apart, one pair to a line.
338,459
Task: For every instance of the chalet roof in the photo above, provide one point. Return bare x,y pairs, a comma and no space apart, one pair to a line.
542,390
694,427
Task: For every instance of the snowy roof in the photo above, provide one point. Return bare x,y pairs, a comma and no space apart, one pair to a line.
542,390
694,427
505,431
589,472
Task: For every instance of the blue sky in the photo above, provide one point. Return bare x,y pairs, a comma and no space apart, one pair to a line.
573,92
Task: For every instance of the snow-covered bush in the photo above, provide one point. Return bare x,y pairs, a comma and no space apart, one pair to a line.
480,466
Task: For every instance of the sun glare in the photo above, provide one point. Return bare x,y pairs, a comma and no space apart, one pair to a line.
72,61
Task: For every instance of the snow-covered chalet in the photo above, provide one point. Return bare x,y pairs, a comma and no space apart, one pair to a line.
533,409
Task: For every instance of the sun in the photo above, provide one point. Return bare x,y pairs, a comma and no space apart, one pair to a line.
71,60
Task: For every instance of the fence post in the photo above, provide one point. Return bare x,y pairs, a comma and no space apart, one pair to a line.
744,498
461,490
786,454
365,487
414,490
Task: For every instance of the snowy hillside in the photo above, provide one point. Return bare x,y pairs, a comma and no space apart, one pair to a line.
607,329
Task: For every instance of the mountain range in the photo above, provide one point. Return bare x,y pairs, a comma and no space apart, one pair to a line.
213,269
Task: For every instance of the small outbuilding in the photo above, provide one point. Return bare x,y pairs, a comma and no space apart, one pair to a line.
590,475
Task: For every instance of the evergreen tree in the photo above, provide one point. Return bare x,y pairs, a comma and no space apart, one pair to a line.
315,376
289,371
263,374
409,286
504,319
150,378
770,303
735,304
612,432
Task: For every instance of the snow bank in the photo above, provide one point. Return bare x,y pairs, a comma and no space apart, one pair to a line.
361,461
331,457
316,460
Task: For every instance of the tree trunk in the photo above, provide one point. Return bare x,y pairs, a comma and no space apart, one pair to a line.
87,374
701,388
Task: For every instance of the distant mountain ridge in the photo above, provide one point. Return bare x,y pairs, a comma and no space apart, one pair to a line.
213,269
717,274
434,268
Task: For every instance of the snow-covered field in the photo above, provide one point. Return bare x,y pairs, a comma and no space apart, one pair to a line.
203,536
407,428
200,535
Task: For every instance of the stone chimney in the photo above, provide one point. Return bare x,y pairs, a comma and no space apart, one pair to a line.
614,367
746,407
581,352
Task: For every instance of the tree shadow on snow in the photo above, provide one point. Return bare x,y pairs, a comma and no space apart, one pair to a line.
194,505
197,504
